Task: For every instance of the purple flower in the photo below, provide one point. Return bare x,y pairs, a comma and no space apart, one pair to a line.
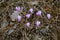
31,10
28,16
38,23
28,24
18,8
19,18
48,16
38,13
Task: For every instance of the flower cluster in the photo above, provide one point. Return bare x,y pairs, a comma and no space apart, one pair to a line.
38,13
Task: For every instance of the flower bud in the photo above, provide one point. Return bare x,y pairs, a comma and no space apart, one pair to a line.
31,10
38,13
48,16
38,23
28,24
28,16
19,18
18,8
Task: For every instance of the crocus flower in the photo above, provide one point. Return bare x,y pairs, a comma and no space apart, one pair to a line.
38,13
31,10
19,18
28,16
38,23
48,16
18,8
28,24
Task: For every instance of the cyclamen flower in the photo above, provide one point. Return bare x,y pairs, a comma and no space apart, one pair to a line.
48,16
28,24
38,23
28,16
31,10
18,8
19,18
39,13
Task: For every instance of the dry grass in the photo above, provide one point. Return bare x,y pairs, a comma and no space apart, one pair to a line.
49,29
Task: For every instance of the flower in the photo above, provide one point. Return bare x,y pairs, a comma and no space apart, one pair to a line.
31,10
38,13
28,24
38,23
19,18
18,8
28,16
48,16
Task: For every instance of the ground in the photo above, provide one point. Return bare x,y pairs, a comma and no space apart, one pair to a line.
14,30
